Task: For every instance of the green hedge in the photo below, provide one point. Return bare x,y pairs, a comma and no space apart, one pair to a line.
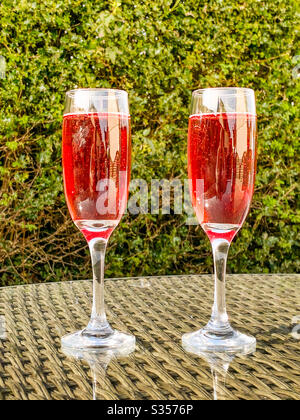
159,51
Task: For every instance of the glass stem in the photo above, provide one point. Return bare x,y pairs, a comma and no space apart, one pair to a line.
98,325
219,324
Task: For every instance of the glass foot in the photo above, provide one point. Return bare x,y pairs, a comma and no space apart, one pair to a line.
203,341
99,356
115,341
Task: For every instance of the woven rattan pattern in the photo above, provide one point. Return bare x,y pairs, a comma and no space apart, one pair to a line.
157,311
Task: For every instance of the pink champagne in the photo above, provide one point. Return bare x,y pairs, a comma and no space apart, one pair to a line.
96,165
221,167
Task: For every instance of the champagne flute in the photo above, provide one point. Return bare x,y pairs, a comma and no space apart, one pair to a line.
221,167
96,168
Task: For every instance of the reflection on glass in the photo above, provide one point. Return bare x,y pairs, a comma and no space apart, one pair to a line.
219,364
98,362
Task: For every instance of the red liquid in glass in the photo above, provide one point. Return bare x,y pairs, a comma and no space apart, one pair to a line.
96,166
221,166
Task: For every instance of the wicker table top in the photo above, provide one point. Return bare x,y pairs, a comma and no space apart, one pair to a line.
157,310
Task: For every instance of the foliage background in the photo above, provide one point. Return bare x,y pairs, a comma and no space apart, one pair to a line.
159,51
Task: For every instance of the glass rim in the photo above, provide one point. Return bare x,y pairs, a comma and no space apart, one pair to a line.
246,91
110,92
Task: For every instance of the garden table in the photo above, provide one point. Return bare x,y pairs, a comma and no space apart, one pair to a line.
157,310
